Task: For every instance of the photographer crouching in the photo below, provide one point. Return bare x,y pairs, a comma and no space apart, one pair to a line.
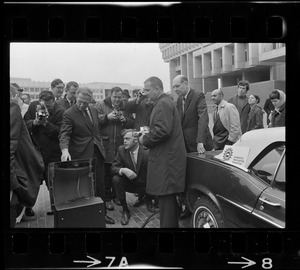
43,119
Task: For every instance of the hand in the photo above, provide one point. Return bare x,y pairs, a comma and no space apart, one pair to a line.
112,117
129,173
122,119
65,155
200,148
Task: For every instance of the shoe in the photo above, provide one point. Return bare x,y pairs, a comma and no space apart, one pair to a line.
125,218
109,206
29,212
117,202
138,202
29,215
151,208
50,213
109,220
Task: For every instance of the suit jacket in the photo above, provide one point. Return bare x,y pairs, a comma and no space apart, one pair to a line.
243,113
123,160
194,121
79,134
63,102
26,163
46,137
167,154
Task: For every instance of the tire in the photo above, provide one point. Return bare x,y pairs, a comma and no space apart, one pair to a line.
206,215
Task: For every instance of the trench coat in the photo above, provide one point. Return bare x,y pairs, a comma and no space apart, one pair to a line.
167,154
110,131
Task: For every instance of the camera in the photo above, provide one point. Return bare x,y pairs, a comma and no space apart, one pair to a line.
42,111
117,112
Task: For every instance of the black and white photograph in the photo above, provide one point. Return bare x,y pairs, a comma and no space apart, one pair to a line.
147,135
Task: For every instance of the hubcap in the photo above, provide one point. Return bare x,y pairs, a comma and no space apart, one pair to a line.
205,219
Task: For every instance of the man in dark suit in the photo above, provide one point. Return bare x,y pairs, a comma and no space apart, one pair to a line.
129,170
192,109
79,137
70,97
44,129
26,163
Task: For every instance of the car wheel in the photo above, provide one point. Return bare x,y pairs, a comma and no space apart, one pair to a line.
206,215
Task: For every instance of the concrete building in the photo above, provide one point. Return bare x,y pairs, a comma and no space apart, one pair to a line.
100,89
222,65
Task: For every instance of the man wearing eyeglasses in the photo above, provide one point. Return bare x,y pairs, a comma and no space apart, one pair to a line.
57,88
79,138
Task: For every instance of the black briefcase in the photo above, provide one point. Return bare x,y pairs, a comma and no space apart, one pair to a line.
72,187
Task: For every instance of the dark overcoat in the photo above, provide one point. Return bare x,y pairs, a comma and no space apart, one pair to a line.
255,118
194,121
243,113
278,117
26,163
167,154
110,131
46,137
79,134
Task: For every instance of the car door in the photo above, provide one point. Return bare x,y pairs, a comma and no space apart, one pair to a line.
269,210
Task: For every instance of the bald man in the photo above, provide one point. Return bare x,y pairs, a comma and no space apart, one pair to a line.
227,126
193,113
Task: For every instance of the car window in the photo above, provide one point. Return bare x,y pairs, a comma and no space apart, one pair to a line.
279,182
266,167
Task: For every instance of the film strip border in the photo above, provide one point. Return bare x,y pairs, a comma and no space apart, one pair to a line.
184,249
178,22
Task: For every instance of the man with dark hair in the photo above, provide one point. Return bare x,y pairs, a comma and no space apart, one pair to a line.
240,101
112,120
167,154
129,170
70,97
79,138
43,119
57,87
126,96
26,163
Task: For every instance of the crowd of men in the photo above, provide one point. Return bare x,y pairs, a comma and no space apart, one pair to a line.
140,142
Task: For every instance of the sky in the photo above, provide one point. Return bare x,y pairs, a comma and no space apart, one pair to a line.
129,63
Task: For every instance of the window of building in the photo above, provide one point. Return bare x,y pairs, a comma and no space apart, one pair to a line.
232,58
246,53
31,89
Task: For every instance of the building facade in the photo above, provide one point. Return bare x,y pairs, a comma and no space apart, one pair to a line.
101,90
222,65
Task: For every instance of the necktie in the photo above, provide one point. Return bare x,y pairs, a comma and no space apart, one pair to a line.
216,114
87,115
133,159
183,103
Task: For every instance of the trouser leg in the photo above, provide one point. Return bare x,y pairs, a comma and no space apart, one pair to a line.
169,212
99,181
108,182
119,184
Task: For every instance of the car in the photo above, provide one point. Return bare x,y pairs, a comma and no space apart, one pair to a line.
223,194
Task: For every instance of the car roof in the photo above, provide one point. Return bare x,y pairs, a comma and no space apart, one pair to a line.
259,139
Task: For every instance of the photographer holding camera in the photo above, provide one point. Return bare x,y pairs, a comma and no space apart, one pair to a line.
43,119
113,119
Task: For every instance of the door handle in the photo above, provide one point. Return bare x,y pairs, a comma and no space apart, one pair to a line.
269,203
